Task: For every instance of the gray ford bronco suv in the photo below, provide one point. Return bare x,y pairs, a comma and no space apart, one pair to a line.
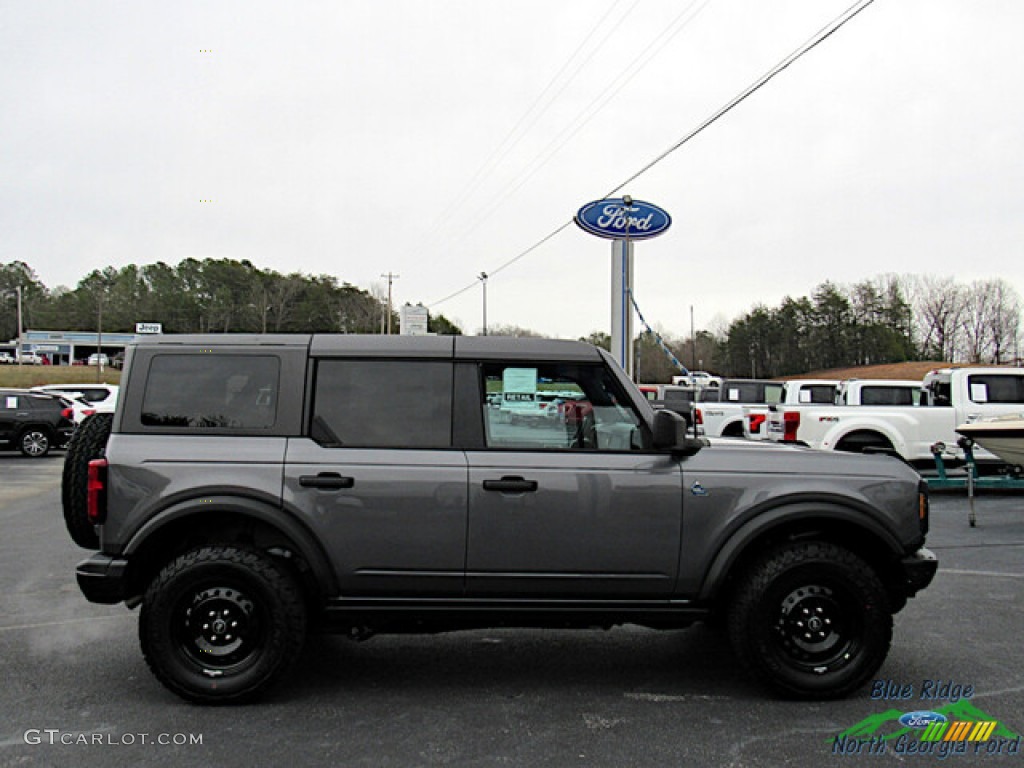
250,489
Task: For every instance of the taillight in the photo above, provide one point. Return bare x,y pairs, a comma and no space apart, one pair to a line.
68,413
88,411
96,492
922,506
790,424
700,416
756,420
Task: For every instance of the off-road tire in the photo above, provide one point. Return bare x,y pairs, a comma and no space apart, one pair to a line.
811,620
221,624
88,442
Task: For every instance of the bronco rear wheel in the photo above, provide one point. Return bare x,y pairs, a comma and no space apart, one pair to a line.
221,624
812,620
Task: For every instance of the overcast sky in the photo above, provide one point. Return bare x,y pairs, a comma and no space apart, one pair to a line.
437,139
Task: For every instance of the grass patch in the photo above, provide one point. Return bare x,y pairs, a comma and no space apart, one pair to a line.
25,376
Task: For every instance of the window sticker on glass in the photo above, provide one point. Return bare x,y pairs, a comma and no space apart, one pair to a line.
979,393
523,380
804,396
734,395
12,402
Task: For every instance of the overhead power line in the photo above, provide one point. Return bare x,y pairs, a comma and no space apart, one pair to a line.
541,104
810,44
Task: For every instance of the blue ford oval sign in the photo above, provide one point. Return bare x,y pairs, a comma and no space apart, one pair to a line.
921,719
616,219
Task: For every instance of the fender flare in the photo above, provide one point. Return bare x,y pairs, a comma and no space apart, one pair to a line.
243,506
829,511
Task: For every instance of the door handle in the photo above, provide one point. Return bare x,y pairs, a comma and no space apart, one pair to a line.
326,481
511,485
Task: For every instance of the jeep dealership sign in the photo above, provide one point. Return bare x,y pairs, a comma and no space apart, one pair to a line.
617,219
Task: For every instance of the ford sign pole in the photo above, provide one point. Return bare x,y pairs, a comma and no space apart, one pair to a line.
622,221
622,285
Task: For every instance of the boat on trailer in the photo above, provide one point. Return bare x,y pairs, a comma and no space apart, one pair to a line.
1002,435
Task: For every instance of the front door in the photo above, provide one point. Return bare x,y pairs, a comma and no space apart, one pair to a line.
568,502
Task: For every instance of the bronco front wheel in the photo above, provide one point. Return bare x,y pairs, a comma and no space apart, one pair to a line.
222,624
812,620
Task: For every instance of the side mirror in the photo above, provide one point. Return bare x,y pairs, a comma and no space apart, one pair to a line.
670,434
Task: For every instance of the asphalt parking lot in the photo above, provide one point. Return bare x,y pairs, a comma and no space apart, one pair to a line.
77,692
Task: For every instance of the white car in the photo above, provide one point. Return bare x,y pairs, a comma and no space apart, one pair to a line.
6,359
105,394
84,399
98,359
29,358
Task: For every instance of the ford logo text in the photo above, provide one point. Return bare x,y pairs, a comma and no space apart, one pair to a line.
616,219
921,719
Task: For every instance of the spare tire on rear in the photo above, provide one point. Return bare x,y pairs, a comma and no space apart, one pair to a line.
89,442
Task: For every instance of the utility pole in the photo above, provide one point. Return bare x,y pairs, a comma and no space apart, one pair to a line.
20,330
482,277
693,343
99,339
391,278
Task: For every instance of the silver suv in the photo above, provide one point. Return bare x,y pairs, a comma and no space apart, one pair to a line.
249,488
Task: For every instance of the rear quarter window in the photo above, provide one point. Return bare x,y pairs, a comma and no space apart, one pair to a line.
211,392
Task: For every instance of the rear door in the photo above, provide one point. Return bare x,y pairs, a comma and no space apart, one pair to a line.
13,412
377,477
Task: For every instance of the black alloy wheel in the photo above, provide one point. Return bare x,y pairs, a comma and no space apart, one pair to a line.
811,619
222,624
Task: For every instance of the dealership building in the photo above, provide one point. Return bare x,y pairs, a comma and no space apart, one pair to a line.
65,347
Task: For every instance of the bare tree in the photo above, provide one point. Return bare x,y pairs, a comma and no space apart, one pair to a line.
1004,319
977,319
938,311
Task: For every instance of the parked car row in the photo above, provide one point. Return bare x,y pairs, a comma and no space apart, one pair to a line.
34,358
35,421
909,423
903,417
27,358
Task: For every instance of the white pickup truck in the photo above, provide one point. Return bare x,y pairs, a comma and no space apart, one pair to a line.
953,397
756,419
722,410
765,422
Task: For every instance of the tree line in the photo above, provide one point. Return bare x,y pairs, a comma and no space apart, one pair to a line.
194,296
887,319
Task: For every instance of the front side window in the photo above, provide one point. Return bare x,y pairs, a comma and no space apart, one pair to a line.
773,393
557,407
382,404
941,392
210,391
